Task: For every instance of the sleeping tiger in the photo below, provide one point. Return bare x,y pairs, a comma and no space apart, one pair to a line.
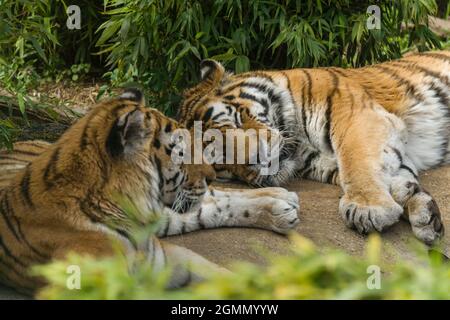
370,130
62,197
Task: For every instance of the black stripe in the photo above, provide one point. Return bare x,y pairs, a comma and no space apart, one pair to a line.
227,90
306,102
199,219
127,235
50,169
187,105
168,127
405,167
340,71
274,98
42,144
309,81
308,161
4,206
27,243
84,140
218,116
263,88
25,187
160,173
442,96
208,114
86,209
328,113
352,99
245,95
330,177
84,135
229,109
28,153
406,64
236,118
436,55
370,218
10,255
166,229
174,178
398,154
347,214
402,81
280,118
235,104
21,275
11,157
211,67
157,143
327,134
5,163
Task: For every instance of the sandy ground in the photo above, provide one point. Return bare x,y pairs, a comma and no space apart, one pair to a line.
320,222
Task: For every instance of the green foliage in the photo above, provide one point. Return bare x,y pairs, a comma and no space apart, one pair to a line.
36,46
158,44
106,279
332,274
35,31
7,130
307,273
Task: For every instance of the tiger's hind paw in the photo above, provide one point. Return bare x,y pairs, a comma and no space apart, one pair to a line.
425,218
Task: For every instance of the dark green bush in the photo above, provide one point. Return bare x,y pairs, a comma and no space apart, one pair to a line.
35,32
158,44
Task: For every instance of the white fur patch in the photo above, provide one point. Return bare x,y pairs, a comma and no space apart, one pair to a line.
129,95
428,127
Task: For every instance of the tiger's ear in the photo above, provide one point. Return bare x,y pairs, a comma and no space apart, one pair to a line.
211,73
133,94
211,70
128,134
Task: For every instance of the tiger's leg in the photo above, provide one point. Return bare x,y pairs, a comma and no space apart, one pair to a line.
382,173
420,208
187,266
319,166
363,145
267,208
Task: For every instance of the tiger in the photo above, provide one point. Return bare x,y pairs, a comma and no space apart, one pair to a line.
64,197
370,130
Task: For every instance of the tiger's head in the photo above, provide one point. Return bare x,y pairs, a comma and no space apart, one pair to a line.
121,148
253,102
141,138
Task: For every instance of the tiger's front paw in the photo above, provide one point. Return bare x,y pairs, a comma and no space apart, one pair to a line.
366,218
283,212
